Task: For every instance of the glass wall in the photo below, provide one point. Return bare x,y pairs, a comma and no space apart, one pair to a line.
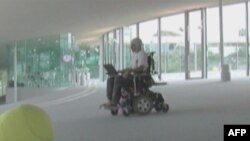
105,49
129,33
38,62
43,62
67,65
149,36
195,46
118,50
111,48
213,43
204,42
248,35
234,23
173,47
105,54
89,60
3,83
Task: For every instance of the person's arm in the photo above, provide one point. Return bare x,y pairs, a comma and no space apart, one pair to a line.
143,62
125,70
138,69
129,68
135,70
143,65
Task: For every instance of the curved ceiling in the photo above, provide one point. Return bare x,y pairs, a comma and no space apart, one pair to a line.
86,19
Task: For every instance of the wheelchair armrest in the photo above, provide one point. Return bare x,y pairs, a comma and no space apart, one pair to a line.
140,74
159,83
113,75
153,82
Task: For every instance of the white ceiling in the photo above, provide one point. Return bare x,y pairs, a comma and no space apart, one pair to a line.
86,19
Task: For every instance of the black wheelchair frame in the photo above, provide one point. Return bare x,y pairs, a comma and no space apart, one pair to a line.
139,98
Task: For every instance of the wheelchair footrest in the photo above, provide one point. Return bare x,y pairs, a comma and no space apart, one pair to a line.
160,83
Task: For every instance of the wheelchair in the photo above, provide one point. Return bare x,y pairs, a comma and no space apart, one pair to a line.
139,98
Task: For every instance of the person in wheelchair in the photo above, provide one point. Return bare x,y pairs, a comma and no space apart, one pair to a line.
138,64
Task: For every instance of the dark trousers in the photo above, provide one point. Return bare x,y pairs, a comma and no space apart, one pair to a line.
114,85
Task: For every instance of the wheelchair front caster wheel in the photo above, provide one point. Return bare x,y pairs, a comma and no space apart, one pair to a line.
114,112
165,107
126,112
158,107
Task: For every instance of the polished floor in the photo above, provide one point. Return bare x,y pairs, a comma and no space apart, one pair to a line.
198,111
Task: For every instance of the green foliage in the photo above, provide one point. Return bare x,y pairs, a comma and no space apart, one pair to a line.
89,58
237,59
213,60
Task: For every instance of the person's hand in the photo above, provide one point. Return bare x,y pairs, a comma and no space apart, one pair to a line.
120,71
125,74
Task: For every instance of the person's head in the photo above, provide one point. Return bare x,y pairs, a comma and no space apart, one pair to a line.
136,45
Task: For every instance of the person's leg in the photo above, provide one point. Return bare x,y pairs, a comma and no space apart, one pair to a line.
116,90
120,82
110,85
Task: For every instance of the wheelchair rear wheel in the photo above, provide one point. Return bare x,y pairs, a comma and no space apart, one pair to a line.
142,105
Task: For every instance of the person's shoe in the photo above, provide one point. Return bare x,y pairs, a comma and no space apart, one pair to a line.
108,105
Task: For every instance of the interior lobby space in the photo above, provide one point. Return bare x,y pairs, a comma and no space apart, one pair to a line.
52,56
199,109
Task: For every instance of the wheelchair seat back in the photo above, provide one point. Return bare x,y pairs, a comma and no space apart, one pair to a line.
151,63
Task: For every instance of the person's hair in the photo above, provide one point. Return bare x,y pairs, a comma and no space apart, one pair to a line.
137,43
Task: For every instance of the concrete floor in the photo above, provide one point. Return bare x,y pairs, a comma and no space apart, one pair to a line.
198,111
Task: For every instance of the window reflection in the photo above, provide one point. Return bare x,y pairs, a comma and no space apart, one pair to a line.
234,23
52,61
195,47
128,34
173,47
213,43
111,49
149,36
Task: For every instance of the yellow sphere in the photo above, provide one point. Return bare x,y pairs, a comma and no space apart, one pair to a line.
25,123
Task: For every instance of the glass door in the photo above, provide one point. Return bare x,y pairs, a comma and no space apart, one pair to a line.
173,47
195,60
